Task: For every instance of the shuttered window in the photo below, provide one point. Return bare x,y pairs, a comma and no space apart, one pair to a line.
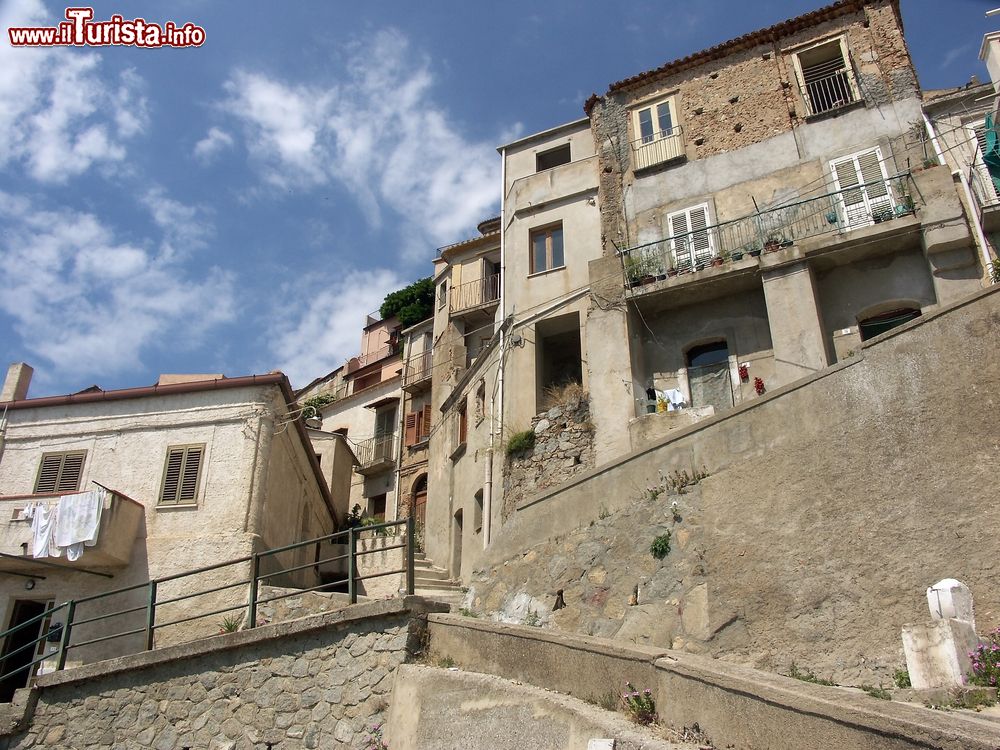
60,472
863,191
417,426
181,474
690,238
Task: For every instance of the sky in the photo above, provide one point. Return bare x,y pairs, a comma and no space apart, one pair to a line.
238,207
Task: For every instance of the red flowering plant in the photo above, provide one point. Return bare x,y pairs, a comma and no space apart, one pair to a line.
639,705
744,374
758,385
986,661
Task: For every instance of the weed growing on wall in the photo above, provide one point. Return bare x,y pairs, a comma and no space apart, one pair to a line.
877,692
986,661
638,705
806,675
901,678
660,547
373,738
521,442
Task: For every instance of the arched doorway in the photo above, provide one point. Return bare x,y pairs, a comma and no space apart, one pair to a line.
708,375
419,507
871,326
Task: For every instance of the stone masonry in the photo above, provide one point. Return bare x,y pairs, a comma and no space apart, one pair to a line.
313,683
564,446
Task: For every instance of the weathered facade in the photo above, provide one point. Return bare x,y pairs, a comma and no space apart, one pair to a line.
249,482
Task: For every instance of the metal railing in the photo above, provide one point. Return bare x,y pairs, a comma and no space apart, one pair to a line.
418,368
154,600
475,293
829,92
658,148
982,186
363,360
844,210
376,450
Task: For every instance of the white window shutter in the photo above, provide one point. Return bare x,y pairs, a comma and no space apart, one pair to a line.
701,237
873,171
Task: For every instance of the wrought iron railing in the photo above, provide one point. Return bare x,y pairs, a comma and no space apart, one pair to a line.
660,147
983,187
844,210
363,360
66,619
418,369
830,92
376,450
475,293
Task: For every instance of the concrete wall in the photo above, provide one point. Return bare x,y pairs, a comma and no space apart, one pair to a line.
807,485
315,682
733,706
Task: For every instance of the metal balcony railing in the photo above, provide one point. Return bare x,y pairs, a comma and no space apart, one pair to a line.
418,369
363,360
859,206
660,147
982,186
376,450
829,92
475,293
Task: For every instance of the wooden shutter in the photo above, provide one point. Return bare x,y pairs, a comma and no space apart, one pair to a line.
859,205
60,472
425,422
701,238
852,202
410,436
680,242
181,474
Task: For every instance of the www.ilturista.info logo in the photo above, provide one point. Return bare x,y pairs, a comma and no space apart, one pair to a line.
80,30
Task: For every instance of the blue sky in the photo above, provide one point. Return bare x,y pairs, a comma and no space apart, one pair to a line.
240,206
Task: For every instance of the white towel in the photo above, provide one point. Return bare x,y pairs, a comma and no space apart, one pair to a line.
79,521
42,527
674,397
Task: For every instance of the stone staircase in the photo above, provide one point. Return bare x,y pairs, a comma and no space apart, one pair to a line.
434,583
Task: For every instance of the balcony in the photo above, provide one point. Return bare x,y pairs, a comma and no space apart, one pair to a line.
417,374
120,523
376,454
369,358
475,295
829,90
987,197
659,148
857,207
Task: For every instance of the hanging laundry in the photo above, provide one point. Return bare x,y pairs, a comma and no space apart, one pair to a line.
79,522
42,529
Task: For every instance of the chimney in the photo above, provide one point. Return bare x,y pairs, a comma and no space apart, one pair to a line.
15,385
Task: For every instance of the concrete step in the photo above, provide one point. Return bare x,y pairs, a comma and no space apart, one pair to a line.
435,573
437,585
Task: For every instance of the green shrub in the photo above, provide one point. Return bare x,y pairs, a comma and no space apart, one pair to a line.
902,678
877,692
639,706
660,547
410,304
520,442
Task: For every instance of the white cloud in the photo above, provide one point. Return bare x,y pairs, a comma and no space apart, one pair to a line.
88,304
379,133
212,144
59,116
323,328
185,228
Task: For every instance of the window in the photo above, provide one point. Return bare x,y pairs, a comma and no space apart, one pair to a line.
181,474
376,508
826,77
442,293
477,512
863,193
657,138
691,240
417,426
481,401
463,424
873,326
547,249
552,158
60,472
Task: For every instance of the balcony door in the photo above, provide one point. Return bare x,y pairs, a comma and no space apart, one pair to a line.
864,196
17,654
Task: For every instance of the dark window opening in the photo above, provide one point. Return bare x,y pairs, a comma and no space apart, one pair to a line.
559,357
552,158
708,376
376,507
873,326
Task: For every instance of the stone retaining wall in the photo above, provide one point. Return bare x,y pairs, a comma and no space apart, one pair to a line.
564,446
316,682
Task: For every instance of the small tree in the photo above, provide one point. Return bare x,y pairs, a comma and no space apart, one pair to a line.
410,304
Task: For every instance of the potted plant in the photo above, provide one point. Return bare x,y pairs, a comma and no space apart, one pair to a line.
736,254
775,241
633,271
831,217
753,249
718,260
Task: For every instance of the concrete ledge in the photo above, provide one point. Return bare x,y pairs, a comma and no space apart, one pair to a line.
735,706
389,608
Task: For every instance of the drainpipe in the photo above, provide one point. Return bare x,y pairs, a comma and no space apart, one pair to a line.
258,477
496,406
967,191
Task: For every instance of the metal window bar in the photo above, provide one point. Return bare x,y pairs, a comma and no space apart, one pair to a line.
418,368
769,229
376,450
67,626
661,146
828,86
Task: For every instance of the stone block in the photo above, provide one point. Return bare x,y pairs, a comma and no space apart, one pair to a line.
937,653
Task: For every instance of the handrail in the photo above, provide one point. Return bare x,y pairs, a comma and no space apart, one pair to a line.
65,629
418,368
474,293
775,226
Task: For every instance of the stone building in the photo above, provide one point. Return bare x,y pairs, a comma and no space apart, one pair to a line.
200,469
